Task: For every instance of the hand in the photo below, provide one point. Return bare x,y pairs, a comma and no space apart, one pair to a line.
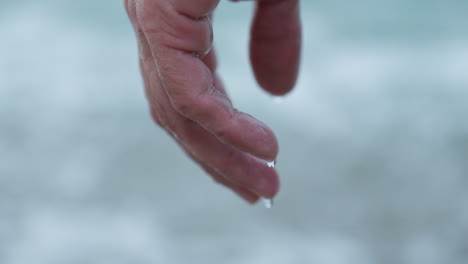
186,95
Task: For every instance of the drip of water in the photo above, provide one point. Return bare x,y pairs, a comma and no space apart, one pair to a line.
268,203
271,164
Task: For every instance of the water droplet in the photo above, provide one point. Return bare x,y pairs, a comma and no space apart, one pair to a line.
278,99
271,164
268,203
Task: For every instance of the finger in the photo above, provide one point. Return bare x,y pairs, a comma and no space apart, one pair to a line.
241,172
237,167
275,44
190,83
243,192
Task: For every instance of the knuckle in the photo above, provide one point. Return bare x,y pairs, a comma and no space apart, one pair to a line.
176,30
190,35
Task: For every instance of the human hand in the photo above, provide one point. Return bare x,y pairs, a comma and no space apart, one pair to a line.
186,95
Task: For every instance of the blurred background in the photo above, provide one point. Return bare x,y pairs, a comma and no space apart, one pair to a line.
374,141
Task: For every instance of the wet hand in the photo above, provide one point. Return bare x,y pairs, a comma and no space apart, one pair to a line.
188,100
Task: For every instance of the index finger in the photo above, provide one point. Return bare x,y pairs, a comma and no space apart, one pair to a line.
175,34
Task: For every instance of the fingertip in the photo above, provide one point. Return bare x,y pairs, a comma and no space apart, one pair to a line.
278,84
262,142
267,183
276,65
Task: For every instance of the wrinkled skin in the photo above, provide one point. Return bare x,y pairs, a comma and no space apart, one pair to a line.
188,99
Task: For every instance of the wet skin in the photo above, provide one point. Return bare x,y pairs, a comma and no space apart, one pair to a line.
186,95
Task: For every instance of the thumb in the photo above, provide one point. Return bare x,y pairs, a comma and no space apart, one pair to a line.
275,44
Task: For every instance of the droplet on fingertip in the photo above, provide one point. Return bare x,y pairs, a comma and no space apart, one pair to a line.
268,203
271,164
